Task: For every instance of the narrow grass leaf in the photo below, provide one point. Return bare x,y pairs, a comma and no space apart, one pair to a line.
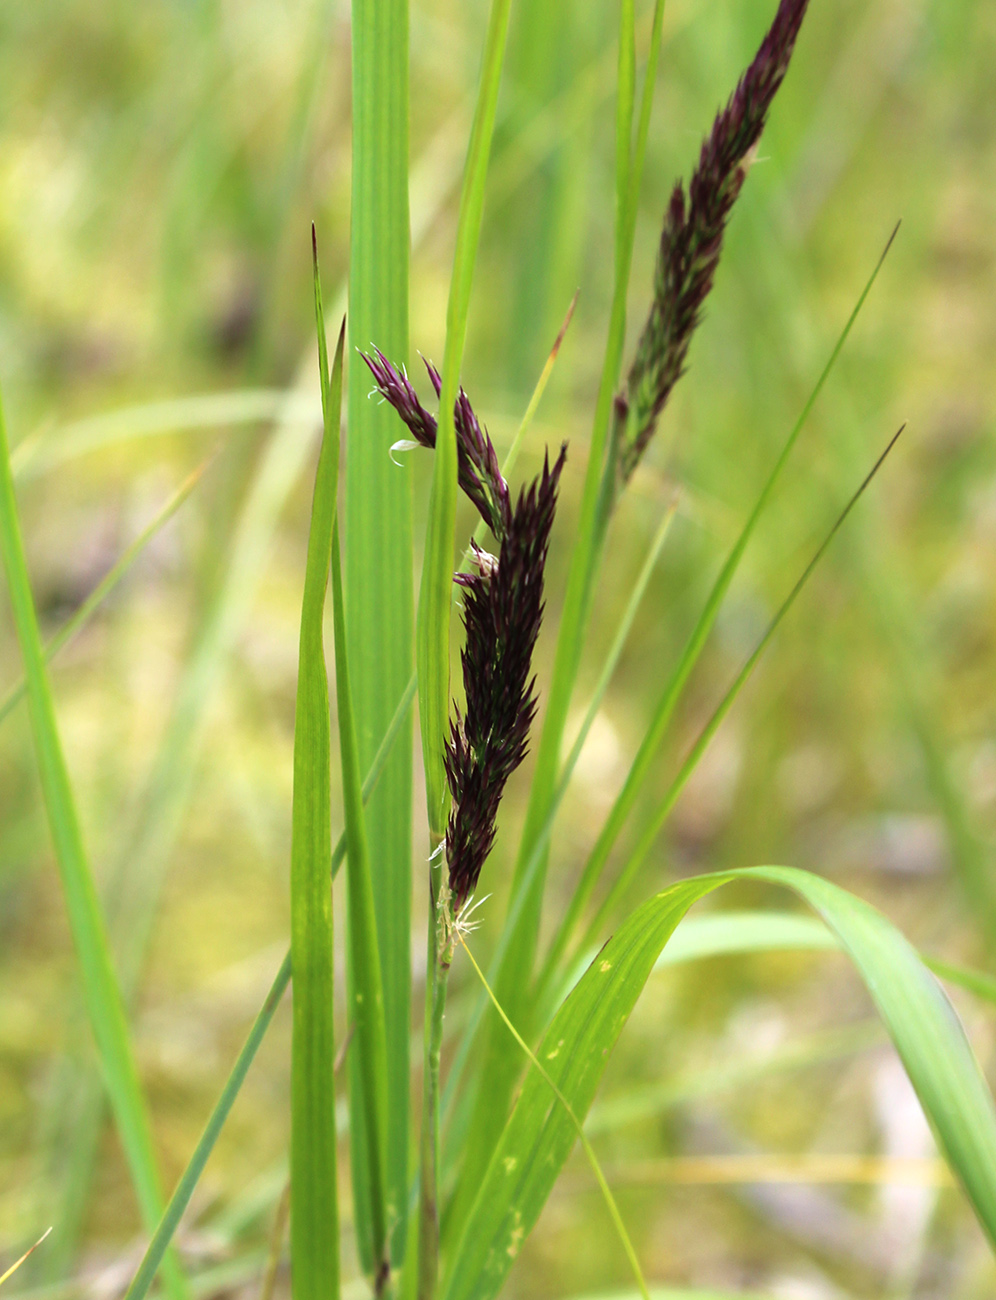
180,1199
50,447
499,1069
512,455
455,1134
314,1208
649,834
18,1262
377,538
368,1058
539,1135
195,1167
727,933
103,589
664,710
433,632
102,996
610,1200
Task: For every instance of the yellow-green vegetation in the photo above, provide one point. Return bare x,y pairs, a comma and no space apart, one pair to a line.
179,768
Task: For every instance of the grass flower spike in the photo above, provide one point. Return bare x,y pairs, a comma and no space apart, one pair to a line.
478,472
502,614
692,240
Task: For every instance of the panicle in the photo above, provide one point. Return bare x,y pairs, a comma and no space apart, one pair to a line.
503,610
478,471
692,239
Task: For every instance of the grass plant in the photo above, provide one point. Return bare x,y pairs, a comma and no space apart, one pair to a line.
509,1063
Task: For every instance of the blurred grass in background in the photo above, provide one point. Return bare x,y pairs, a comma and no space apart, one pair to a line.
159,167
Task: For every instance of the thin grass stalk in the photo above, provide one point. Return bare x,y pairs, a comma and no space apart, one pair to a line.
314,1208
145,852
435,600
512,980
216,1121
427,1271
378,556
101,993
589,1150
664,710
646,840
456,1131
435,594
106,585
368,1060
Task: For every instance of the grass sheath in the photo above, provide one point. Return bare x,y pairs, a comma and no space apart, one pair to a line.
101,993
314,1207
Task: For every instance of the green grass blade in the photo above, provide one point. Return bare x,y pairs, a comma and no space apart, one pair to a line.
724,933
377,533
512,455
191,1175
180,1199
664,710
368,1057
102,996
610,1200
924,1028
468,1040
539,1136
433,636
649,834
499,1068
49,448
106,585
145,852
314,1208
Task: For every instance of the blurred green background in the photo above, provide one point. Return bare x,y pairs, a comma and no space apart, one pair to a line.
159,168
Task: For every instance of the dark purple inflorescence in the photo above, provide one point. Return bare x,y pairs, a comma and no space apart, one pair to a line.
692,239
503,609
478,471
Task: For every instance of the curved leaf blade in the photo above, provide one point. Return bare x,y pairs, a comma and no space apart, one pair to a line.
539,1134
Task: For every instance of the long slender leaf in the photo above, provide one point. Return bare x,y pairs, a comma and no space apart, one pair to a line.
538,1136
433,635
377,549
51,447
195,1167
499,1069
368,1059
664,710
106,585
146,849
314,1208
650,832
101,993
